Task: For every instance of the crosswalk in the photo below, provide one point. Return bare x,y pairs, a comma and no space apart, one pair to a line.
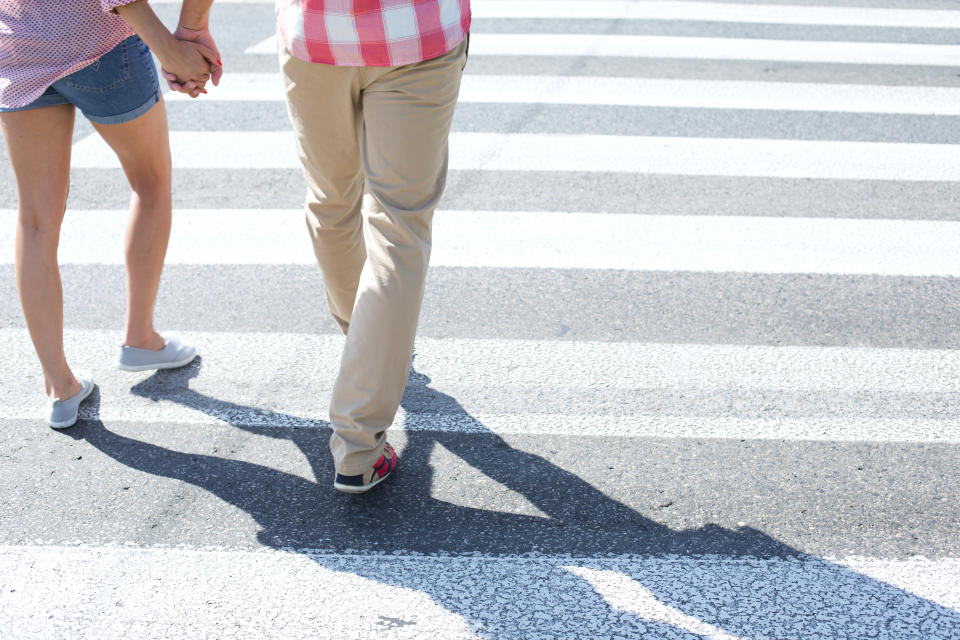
688,363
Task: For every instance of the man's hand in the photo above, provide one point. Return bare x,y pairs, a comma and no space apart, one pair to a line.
202,39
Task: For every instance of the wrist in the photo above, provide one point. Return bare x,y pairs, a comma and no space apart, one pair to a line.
164,49
196,27
195,20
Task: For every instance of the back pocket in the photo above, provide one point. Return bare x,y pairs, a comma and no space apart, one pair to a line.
110,71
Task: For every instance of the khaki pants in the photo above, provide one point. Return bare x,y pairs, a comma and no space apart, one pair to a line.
373,143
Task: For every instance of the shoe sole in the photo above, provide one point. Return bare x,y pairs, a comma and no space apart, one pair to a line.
150,367
69,423
349,488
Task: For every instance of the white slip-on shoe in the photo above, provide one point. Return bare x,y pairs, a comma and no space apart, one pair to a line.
63,413
173,355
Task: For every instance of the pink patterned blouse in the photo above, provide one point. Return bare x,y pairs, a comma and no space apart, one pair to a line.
372,33
42,41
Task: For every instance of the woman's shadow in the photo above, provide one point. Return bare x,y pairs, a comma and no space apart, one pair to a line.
583,527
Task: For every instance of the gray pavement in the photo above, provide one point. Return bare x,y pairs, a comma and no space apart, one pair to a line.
586,453
565,191
553,304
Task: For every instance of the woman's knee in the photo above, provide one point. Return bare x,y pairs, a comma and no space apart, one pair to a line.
151,184
42,215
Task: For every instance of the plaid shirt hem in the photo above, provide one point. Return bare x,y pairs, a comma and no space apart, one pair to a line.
372,33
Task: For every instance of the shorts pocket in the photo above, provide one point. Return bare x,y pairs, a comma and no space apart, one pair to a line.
108,72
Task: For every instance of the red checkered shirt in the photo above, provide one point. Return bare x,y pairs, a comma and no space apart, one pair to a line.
372,33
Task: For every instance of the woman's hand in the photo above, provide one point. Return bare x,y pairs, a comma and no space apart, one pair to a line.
201,37
185,62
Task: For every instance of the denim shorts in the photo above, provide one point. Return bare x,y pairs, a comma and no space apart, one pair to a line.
118,87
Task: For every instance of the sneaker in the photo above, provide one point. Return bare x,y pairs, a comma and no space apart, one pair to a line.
63,413
366,481
173,355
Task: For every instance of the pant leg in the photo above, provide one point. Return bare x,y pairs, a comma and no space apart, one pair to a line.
407,113
324,106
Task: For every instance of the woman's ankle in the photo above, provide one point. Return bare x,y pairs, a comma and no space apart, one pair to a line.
144,340
63,386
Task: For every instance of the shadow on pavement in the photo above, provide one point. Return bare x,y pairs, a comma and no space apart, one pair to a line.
807,597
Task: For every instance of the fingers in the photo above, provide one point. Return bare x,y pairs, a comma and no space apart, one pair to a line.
206,49
194,88
202,37
190,87
191,67
211,56
171,80
213,59
207,39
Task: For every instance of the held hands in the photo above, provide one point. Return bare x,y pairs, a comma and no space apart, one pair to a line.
188,57
192,62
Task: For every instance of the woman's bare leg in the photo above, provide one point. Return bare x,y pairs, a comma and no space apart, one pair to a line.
144,150
38,142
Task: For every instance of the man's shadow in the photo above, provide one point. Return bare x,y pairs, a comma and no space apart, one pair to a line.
813,597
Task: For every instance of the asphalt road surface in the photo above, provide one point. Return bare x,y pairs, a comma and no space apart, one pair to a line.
688,364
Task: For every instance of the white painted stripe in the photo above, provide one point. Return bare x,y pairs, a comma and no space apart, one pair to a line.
123,409
651,92
819,429
550,240
242,372
115,592
536,364
863,53
698,11
625,594
692,48
716,12
212,150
